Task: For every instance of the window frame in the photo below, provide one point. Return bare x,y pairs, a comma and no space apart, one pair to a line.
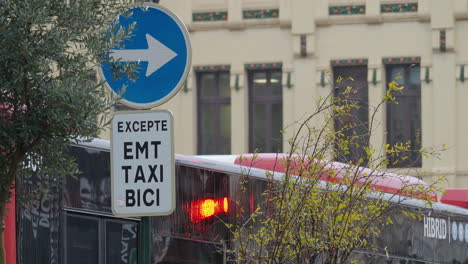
217,101
359,83
269,101
410,91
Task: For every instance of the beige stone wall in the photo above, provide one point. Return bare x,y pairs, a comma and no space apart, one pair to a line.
366,34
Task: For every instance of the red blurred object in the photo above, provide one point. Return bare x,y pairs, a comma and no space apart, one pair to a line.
10,230
381,181
205,208
9,234
457,197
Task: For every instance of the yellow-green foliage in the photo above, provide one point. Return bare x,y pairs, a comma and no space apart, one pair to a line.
304,219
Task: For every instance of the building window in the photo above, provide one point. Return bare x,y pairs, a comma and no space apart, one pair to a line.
351,88
404,118
214,112
265,110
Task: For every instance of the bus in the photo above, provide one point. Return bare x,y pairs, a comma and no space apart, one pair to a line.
75,225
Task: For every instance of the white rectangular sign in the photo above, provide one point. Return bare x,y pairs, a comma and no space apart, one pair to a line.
142,161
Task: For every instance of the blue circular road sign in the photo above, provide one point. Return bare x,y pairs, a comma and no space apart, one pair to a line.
160,44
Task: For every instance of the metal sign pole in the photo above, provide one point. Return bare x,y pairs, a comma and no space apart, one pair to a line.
142,148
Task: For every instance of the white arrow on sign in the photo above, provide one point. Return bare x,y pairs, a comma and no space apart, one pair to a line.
157,55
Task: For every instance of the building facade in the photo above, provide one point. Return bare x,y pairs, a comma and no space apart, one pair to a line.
260,65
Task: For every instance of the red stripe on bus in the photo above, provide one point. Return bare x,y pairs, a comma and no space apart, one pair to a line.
10,230
380,181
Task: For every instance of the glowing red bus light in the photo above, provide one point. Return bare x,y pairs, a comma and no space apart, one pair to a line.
205,208
225,205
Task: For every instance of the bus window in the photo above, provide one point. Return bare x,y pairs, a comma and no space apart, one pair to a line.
82,240
97,239
89,190
121,242
171,250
